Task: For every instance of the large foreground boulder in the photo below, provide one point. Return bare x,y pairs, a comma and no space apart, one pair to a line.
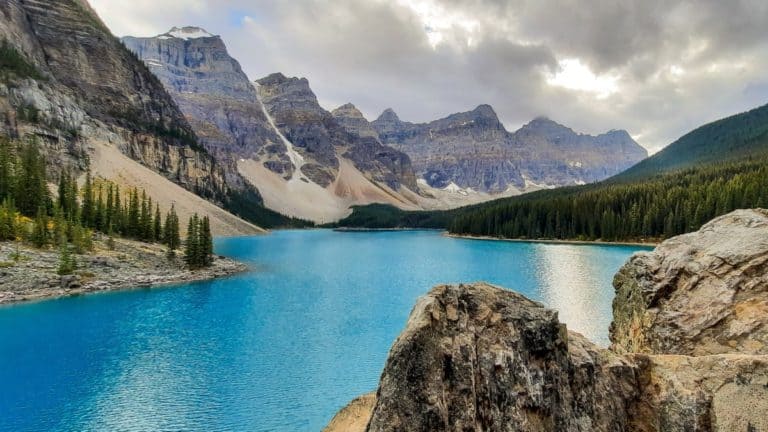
697,294
480,358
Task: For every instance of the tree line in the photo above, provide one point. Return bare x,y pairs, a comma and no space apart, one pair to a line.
656,208
29,212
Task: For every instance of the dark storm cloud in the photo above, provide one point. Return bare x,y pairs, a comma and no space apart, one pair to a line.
656,68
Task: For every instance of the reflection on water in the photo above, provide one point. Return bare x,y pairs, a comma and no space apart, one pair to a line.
280,348
573,281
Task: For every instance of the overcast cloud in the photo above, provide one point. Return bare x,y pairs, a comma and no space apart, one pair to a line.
655,68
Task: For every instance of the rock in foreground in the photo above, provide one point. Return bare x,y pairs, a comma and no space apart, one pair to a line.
480,358
697,294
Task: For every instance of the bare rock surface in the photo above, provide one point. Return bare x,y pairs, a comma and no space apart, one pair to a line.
474,150
725,392
700,293
353,417
480,358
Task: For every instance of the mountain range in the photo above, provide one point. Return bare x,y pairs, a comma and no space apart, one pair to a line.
178,109
274,129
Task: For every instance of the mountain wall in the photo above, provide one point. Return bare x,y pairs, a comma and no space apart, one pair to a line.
321,139
216,97
88,88
473,150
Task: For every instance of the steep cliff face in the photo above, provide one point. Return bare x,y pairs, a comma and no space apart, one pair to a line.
311,129
216,97
92,89
321,139
474,150
698,294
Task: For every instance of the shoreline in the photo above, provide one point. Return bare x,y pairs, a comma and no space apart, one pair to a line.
354,229
131,265
551,241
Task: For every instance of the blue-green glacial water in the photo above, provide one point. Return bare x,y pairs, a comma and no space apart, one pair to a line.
279,348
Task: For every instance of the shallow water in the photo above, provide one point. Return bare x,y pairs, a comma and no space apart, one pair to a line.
280,348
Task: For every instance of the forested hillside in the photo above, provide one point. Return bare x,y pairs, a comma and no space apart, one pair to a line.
660,207
732,138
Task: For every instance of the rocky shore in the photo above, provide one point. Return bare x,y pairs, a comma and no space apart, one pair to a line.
28,274
688,350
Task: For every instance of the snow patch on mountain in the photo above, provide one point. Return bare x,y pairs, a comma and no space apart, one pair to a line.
186,33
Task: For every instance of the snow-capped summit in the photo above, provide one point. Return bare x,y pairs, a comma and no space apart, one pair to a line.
186,33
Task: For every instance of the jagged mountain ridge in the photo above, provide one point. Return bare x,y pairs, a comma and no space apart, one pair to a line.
473,150
317,134
276,122
215,95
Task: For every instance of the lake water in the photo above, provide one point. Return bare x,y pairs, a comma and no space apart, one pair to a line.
280,348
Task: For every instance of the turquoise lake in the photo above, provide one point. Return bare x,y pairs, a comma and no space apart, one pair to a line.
280,348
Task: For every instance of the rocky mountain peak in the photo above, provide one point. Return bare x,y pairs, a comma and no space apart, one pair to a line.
546,127
293,91
485,111
186,33
388,115
347,110
351,119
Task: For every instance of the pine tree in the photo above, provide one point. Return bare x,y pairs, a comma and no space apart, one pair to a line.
109,212
157,229
88,209
40,236
101,210
206,242
67,263
31,188
6,168
192,253
117,217
171,230
134,214
9,229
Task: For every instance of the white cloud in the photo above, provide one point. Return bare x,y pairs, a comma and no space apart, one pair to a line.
574,75
657,68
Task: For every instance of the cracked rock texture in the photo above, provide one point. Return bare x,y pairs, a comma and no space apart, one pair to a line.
480,358
700,293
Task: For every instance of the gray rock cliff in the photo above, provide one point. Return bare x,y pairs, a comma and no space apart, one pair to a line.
321,139
216,97
473,149
92,89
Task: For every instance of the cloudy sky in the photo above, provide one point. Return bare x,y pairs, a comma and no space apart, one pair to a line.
657,68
